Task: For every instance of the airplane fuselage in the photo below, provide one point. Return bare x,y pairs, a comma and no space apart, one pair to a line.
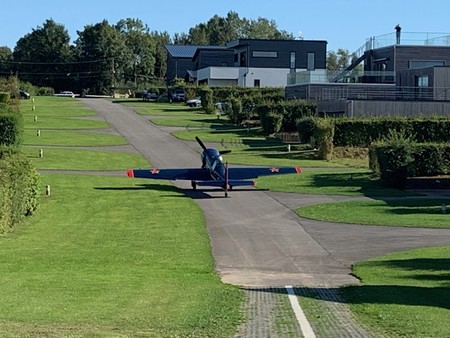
213,162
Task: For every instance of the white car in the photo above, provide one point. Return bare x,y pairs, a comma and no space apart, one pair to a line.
67,94
196,102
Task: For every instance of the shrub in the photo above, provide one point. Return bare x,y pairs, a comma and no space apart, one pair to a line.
206,96
4,97
11,128
323,136
19,186
234,110
271,122
306,127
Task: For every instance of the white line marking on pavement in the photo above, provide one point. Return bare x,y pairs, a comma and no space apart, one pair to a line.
299,314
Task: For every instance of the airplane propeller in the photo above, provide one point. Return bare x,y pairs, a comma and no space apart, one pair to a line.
200,142
221,152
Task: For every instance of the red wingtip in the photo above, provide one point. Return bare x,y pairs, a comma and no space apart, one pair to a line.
298,170
130,173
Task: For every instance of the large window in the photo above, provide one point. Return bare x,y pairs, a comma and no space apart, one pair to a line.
264,54
311,65
422,81
292,60
416,64
423,92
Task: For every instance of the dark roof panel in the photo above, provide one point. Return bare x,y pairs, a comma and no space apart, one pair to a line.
186,51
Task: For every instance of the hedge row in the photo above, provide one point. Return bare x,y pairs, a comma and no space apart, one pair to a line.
350,132
19,184
11,127
394,162
362,132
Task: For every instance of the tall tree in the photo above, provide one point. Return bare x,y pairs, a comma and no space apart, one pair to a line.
103,58
141,45
41,55
221,30
161,39
340,59
6,58
265,29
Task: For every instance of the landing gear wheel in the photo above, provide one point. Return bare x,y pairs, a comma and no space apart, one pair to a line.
194,185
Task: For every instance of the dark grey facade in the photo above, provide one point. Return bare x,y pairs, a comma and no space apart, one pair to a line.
295,54
246,53
213,57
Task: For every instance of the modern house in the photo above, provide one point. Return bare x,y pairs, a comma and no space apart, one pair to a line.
245,62
406,77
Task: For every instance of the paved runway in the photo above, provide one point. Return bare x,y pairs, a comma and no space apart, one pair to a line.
256,238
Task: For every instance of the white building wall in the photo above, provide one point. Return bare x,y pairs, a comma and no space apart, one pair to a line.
268,77
243,76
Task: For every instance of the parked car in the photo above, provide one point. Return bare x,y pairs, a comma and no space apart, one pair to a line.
66,93
195,102
178,95
149,96
24,94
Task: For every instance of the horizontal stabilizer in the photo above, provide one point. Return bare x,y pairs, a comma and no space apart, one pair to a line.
233,183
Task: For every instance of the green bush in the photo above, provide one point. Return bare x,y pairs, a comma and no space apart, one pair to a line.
206,96
271,122
362,132
234,110
4,97
394,160
323,135
305,128
19,188
11,128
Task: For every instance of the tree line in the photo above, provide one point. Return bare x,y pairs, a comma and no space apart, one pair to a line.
123,55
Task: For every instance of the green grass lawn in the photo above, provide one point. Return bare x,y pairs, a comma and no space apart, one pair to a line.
76,159
343,182
49,122
62,107
108,257
424,213
405,294
70,138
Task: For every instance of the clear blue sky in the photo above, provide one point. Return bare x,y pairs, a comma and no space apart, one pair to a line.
343,23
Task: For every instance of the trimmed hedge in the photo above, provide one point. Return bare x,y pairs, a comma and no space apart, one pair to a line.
19,188
11,128
394,162
362,132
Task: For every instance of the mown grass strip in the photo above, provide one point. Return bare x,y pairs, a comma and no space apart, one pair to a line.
48,122
423,213
110,257
405,294
78,159
55,106
70,138
343,182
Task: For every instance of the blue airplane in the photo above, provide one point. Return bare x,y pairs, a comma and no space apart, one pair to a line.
213,172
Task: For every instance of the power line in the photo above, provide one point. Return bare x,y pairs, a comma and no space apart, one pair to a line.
54,63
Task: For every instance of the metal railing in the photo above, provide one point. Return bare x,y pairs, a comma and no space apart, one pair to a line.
386,92
328,76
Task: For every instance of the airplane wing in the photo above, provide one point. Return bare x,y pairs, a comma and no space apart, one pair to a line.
254,172
192,174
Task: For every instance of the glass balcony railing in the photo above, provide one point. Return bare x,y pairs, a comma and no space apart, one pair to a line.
328,76
406,38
